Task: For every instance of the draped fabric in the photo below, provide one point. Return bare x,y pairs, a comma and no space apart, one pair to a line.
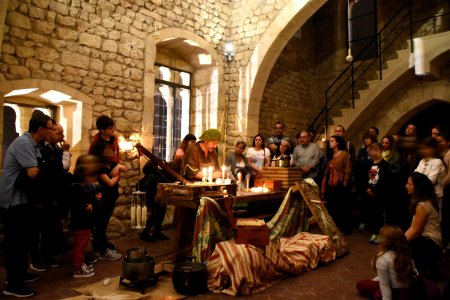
245,269
213,226
291,218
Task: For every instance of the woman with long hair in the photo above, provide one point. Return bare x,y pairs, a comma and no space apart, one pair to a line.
258,156
236,161
424,233
335,190
395,268
178,157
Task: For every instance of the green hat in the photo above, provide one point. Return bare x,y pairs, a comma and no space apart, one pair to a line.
211,134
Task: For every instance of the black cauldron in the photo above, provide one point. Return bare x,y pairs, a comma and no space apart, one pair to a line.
190,278
138,270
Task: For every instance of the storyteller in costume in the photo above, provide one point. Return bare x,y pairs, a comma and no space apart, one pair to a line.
203,155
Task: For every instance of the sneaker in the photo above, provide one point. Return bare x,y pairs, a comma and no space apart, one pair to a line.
111,246
88,266
21,291
30,277
84,272
374,238
53,263
39,266
88,259
110,255
362,227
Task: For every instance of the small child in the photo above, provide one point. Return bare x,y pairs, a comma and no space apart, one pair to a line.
377,191
395,269
85,193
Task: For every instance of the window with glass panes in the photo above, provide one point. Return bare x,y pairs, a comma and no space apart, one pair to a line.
171,110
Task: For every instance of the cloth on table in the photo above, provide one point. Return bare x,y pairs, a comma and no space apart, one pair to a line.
245,269
213,226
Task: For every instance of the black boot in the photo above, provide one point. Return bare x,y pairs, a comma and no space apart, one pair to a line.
147,238
160,236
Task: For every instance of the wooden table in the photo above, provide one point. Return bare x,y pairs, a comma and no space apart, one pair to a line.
187,205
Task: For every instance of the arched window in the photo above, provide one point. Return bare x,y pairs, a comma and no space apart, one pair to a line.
171,108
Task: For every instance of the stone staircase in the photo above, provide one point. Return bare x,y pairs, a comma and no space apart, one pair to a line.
423,62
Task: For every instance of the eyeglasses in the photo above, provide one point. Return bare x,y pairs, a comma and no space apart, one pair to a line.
50,128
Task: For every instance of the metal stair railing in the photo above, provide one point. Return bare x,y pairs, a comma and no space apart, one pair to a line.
392,37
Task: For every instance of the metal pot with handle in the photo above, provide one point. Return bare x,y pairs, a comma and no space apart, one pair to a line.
190,278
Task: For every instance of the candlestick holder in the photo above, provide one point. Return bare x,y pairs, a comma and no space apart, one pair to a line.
138,210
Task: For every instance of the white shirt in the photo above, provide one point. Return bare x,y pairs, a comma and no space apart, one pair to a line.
259,157
387,276
434,169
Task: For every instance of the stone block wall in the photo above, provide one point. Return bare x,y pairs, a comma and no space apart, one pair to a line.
97,47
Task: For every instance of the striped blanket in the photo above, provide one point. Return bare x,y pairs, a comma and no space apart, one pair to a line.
245,269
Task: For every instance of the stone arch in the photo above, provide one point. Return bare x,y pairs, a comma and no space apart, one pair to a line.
410,99
289,20
75,114
151,42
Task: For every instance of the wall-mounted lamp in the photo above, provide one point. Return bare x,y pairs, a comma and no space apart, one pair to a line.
350,3
349,57
229,51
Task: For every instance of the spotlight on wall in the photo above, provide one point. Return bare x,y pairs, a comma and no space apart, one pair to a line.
229,51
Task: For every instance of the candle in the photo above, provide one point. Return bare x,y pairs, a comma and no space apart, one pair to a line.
223,171
239,175
133,216
204,174
210,173
138,216
144,215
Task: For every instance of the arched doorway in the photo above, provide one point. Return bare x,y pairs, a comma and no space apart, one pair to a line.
73,110
436,114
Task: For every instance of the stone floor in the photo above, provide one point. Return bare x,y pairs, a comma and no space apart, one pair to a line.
333,281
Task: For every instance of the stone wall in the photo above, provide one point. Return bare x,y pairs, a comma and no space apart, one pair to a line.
294,92
98,46
287,96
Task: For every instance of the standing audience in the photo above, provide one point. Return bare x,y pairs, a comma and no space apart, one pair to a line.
349,147
397,202
85,195
106,147
274,141
360,168
307,156
20,168
378,190
258,157
445,217
285,149
237,162
432,167
149,183
335,190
